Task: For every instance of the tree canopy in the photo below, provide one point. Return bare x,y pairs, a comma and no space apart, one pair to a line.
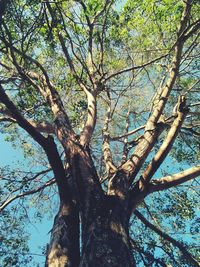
111,88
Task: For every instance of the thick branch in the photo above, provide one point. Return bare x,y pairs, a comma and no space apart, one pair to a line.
142,150
90,123
20,119
107,154
47,90
42,127
91,99
47,144
165,236
137,195
166,145
174,180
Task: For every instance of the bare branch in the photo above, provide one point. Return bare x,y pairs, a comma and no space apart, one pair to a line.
166,145
174,180
110,167
90,123
128,133
42,127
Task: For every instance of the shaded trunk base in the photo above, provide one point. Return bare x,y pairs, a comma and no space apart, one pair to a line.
63,250
107,244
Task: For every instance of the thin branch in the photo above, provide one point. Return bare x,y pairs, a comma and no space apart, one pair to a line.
90,123
26,193
191,130
182,248
100,12
125,140
64,48
48,91
150,256
192,30
115,138
134,67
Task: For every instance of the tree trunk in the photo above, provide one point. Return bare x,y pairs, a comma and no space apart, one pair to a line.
106,240
64,250
104,222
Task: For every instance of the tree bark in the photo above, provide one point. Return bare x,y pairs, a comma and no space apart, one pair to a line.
106,240
64,250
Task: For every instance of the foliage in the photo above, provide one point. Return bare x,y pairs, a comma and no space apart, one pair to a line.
14,250
126,49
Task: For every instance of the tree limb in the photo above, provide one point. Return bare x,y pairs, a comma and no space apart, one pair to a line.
142,150
47,144
48,91
174,180
107,154
90,123
134,68
166,145
20,119
115,138
42,127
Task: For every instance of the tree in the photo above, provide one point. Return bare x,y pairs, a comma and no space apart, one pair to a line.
101,93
